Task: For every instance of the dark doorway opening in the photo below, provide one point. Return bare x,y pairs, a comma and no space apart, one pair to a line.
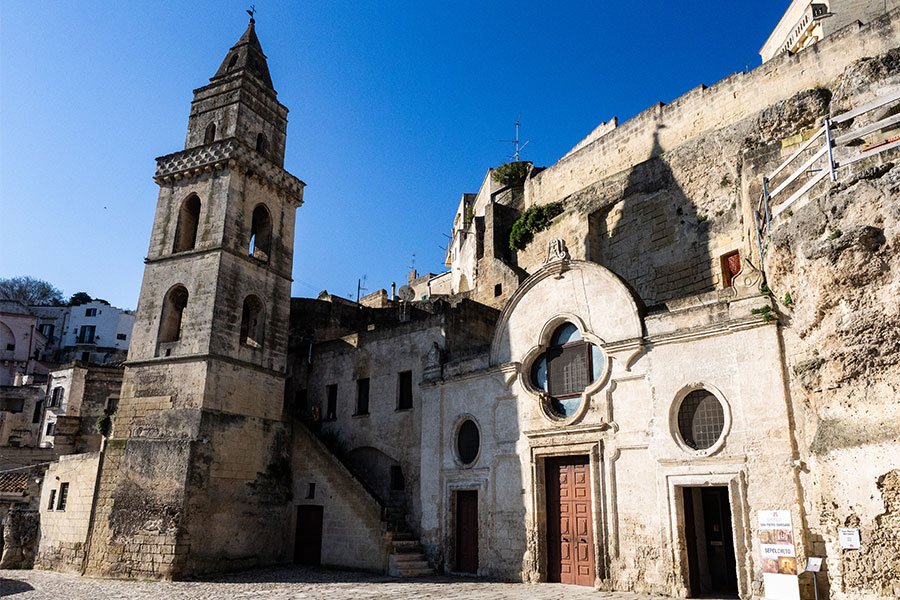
712,566
308,542
466,537
570,527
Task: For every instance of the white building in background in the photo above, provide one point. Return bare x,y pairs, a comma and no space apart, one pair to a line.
808,21
94,332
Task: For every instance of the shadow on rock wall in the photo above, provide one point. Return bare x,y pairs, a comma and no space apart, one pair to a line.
654,237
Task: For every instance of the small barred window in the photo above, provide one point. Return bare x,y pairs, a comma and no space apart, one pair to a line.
701,419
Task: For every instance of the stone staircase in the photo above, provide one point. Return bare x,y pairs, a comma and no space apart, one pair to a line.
406,558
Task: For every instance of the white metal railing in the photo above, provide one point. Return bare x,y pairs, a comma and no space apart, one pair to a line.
835,153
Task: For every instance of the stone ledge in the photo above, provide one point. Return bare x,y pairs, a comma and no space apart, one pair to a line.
228,153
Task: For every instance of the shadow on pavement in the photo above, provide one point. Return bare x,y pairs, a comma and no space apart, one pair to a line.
8,587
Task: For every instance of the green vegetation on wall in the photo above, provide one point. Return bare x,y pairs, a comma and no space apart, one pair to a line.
511,173
533,220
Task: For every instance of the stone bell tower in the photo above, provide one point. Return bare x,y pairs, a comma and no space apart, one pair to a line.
196,475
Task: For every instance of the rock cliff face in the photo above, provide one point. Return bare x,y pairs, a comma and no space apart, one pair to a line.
835,268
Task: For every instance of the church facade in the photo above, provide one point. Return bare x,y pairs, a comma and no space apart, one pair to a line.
611,398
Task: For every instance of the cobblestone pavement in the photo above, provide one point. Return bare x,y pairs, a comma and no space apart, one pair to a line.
288,582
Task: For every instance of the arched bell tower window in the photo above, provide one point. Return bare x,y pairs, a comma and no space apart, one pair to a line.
188,221
262,144
233,61
210,135
565,369
172,314
260,233
252,322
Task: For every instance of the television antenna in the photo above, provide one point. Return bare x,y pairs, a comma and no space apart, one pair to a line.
515,142
361,287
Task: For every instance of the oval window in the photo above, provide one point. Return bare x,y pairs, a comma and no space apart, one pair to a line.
565,369
468,442
701,420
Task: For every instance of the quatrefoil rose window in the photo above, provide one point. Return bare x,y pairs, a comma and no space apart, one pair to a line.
567,367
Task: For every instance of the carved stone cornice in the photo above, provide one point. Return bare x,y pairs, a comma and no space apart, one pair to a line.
224,154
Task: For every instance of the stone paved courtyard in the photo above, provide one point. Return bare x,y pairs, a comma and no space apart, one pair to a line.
287,582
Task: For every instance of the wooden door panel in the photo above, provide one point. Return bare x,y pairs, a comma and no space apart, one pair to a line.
570,527
467,531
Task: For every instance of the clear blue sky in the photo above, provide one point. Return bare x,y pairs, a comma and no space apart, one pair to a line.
397,108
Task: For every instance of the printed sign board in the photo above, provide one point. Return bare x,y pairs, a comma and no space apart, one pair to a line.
779,557
849,538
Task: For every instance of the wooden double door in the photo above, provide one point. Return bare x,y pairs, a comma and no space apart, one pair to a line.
570,528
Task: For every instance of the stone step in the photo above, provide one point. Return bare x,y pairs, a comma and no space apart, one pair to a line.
412,568
408,557
406,546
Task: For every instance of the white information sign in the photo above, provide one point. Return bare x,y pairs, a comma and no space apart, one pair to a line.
814,564
849,538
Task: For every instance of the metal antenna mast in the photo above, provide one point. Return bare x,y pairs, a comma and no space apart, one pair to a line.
515,142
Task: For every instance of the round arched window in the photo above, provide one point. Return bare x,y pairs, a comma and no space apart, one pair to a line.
701,419
565,369
468,442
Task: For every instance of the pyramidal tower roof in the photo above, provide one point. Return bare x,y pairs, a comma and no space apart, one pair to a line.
246,55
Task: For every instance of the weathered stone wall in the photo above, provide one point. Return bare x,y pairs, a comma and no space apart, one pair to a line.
64,533
352,530
834,267
17,426
139,510
20,538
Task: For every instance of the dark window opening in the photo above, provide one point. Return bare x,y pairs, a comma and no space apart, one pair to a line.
311,491
47,330
121,336
51,429
86,334
90,312
38,411
56,396
260,233
86,357
498,289
11,347
701,419
233,61
262,144
404,390
188,221
112,405
52,500
209,136
252,322
398,482
63,496
468,442
331,406
362,396
731,266
170,322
